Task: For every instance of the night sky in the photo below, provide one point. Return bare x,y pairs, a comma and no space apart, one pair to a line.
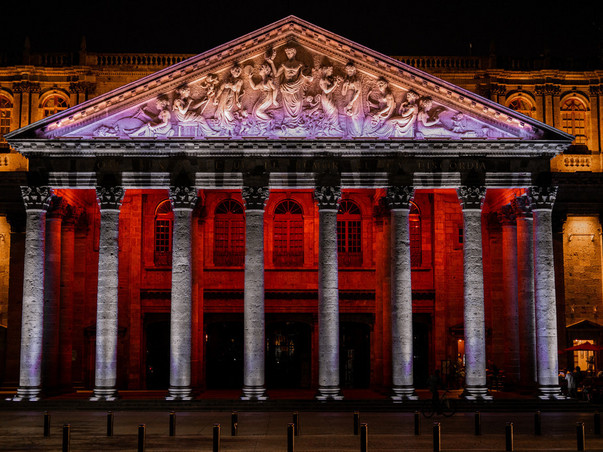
456,27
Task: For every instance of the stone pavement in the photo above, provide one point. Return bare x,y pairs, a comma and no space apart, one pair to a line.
266,431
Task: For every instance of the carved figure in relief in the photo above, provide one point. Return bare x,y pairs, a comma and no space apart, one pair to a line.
382,106
209,84
291,87
351,89
403,125
186,110
330,120
260,114
429,123
228,101
162,126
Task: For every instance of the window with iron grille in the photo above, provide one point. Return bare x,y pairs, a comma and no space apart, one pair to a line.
229,234
164,218
349,234
573,119
288,235
416,244
6,108
53,104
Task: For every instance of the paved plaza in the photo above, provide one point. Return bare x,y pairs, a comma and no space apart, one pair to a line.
266,431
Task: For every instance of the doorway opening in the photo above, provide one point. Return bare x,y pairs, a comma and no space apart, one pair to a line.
224,354
157,350
288,355
355,355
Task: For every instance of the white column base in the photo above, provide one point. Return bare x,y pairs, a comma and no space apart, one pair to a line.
551,393
403,393
25,394
476,393
329,393
257,393
104,395
179,393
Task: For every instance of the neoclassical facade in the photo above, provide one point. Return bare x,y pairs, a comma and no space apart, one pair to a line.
289,210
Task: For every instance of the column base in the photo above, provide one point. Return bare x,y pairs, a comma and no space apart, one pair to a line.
474,393
179,393
329,393
104,395
27,394
403,393
255,393
550,393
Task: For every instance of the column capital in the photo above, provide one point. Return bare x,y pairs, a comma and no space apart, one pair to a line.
328,197
471,196
507,215
543,197
109,198
36,198
183,197
522,206
399,196
255,197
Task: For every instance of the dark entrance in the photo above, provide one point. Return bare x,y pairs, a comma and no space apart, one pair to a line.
421,326
355,355
157,350
224,351
288,355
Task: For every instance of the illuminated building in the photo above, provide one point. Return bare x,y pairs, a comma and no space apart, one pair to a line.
293,210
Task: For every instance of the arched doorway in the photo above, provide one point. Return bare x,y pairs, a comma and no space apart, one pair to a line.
224,355
157,350
355,355
288,355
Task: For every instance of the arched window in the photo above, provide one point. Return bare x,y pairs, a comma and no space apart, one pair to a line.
416,244
164,218
288,235
522,105
53,104
229,234
573,119
6,108
349,234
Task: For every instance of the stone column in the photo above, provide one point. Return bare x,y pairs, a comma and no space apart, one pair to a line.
543,199
328,198
506,216
254,343
105,372
472,198
37,200
525,290
183,202
401,294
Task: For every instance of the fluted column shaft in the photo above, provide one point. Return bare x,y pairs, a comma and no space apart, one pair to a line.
253,317
183,202
401,294
105,371
471,198
36,201
328,294
543,199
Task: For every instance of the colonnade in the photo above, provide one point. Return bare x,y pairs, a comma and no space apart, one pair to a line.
537,203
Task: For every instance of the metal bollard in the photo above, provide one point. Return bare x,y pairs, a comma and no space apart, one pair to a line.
141,437
363,437
216,442
356,422
296,423
234,423
580,440
437,437
597,423
172,423
537,423
66,437
509,436
46,424
291,437
478,423
417,424
110,423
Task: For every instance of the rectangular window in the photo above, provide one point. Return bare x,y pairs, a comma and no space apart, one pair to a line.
163,243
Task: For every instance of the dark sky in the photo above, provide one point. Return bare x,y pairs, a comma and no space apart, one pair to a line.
518,28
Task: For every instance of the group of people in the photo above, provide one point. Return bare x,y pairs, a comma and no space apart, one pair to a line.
578,384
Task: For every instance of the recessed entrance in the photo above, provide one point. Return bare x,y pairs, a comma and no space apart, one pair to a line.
224,350
157,350
288,355
421,349
355,355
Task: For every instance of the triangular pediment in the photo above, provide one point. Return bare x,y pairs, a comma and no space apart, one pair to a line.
290,79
